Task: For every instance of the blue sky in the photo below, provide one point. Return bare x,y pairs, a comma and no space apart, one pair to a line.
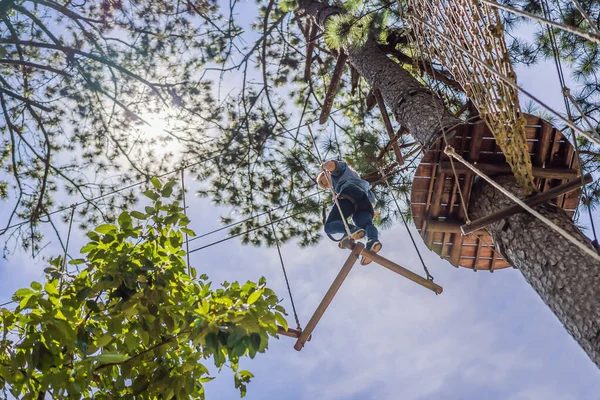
488,336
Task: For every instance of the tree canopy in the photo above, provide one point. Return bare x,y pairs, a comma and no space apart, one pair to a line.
129,319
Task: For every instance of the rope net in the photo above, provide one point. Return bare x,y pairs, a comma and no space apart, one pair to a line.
467,38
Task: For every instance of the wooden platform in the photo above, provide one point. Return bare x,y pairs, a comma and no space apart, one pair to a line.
436,205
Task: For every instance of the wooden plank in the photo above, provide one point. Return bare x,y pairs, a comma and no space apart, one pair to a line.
438,188
421,184
477,133
331,292
451,226
482,250
543,145
455,252
424,170
530,201
551,173
467,185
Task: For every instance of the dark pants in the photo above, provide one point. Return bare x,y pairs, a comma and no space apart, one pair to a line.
362,213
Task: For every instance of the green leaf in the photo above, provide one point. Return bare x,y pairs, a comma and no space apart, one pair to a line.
152,195
23,292
138,215
36,286
188,231
282,321
51,289
156,183
167,191
109,358
104,340
124,220
88,247
193,271
105,228
77,261
254,296
84,293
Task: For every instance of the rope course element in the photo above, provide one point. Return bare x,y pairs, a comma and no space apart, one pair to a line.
593,37
187,237
568,99
450,152
213,156
477,29
330,184
429,276
245,232
64,263
287,282
506,80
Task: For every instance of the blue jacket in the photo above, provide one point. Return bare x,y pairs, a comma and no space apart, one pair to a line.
344,176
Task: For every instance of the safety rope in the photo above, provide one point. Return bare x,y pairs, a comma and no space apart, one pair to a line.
187,238
452,153
64,263
429,276
567,97
287,282
330,183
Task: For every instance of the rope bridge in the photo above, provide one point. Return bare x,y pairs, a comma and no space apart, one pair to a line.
448,32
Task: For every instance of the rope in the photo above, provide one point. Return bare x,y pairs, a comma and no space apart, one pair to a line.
245,232
187,237
185,165
330,183
478,30
287,282
508,81
64,263
429,276
450,152
566,92
593,37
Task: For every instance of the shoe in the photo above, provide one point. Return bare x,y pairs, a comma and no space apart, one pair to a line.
355,234
374,245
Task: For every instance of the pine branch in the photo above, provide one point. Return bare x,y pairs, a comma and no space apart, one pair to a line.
333,87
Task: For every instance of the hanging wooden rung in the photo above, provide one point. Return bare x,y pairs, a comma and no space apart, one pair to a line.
530,201
337,282
408,274
291,332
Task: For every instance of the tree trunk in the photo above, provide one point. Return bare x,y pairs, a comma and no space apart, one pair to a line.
415,107
565,278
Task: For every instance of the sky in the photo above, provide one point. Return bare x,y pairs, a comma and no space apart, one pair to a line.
487,336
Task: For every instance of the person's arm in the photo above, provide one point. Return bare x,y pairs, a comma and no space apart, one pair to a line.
335,167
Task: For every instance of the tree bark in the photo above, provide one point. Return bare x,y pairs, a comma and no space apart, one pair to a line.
414,106
564,277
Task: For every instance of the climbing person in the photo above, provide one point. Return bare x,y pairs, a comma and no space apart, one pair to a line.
355,199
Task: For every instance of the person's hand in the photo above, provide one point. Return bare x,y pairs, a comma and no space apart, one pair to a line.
329,166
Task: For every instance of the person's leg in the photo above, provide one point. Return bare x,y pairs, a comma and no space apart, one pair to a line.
334,223
364,219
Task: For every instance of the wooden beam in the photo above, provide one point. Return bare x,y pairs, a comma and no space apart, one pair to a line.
408,274
543,147
337,282
476,136
538,172
449,226
456,250
388,126
290,332
531,201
